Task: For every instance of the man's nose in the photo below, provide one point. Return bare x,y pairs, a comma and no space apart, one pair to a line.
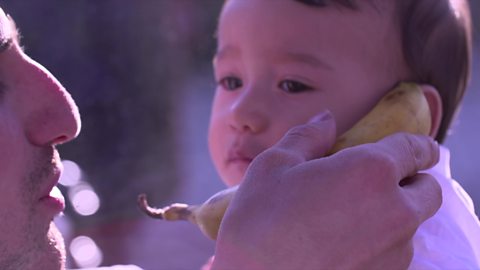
54,117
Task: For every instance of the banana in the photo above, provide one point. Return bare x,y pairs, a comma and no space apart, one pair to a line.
404,109
206,216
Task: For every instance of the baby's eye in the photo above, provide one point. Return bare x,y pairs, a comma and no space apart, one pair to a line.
293,86
230,83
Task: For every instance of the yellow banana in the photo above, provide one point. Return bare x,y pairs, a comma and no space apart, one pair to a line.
206,216
404,109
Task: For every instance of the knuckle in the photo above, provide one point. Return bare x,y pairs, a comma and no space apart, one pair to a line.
419,149
388,164
377,162
412,147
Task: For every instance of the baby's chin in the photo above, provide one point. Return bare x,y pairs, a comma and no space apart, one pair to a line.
231,182
232,178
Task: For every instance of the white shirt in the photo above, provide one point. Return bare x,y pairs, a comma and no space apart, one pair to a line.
451,238
115,267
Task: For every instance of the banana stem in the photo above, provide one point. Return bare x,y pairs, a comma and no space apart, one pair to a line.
176,211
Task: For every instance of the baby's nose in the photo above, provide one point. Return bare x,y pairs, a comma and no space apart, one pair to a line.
248,112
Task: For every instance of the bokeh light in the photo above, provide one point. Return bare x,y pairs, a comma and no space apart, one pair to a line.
71,175
85,252
84,199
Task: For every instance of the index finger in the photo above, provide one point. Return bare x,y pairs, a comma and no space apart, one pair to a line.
309,141
411,153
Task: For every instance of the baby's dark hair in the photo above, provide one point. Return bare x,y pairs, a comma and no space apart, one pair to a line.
323,3
436,40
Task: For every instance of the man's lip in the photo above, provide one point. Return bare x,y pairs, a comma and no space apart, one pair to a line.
54,202
52,198
54,194
53,181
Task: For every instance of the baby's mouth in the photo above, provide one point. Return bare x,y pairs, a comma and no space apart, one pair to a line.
236,156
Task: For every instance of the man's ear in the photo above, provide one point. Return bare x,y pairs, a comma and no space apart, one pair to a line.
436,109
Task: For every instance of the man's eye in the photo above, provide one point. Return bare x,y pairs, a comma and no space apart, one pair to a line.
293,86
5,44
230,83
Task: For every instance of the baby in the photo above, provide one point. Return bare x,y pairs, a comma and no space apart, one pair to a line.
281,62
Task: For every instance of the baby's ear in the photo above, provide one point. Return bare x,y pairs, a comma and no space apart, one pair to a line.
436,109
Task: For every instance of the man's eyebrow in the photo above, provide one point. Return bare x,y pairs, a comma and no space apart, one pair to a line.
305,58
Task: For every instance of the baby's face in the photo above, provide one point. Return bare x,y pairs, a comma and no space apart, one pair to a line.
281,62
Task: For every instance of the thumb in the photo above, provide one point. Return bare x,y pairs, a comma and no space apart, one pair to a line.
425,195
311,140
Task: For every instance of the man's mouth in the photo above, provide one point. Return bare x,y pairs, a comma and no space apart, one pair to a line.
51,197
54,202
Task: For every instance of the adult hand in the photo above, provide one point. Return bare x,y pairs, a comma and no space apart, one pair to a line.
356,209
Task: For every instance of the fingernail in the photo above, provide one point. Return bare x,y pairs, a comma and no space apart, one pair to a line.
321,117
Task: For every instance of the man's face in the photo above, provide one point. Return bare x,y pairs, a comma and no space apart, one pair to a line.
36,113
281,62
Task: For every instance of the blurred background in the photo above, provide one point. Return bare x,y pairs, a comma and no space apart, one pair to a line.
140,72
